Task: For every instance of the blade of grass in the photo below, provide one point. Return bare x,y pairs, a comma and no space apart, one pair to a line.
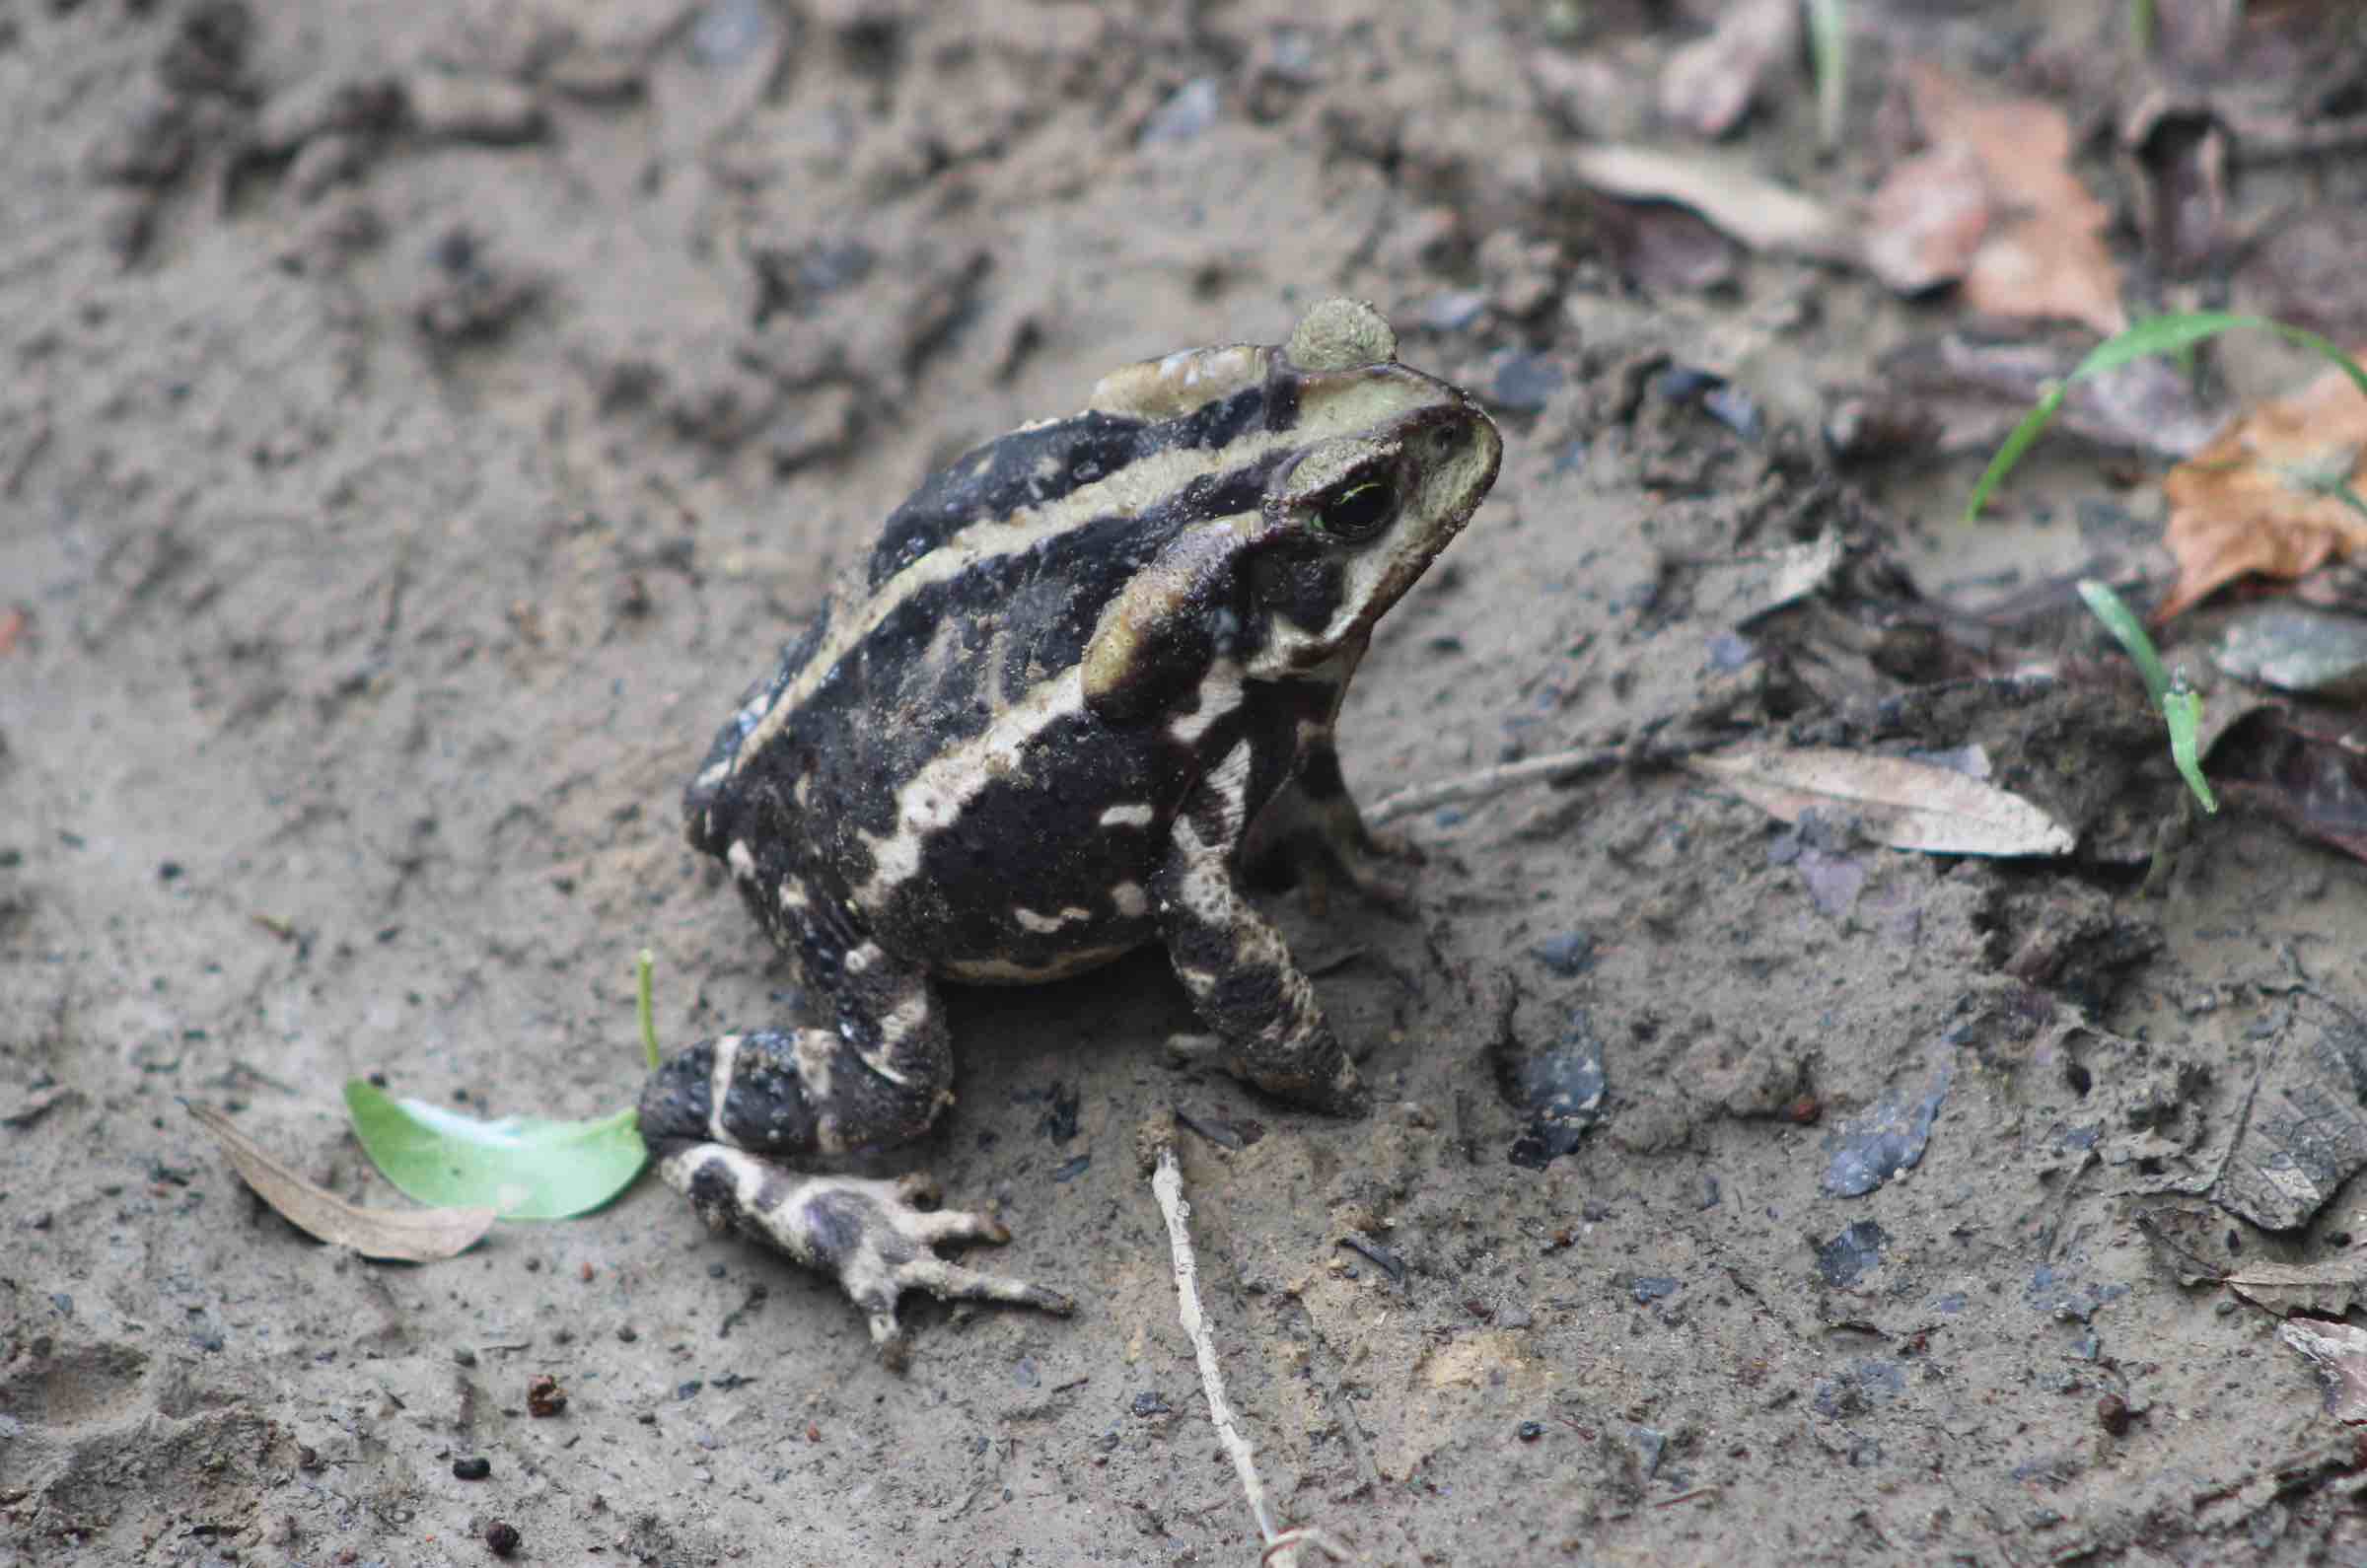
2159,334
2181,708
644,963
1829,63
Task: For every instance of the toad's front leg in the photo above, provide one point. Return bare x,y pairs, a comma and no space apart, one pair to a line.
720,1115
1271,1029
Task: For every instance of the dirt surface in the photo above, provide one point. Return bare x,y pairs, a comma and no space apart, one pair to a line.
419,423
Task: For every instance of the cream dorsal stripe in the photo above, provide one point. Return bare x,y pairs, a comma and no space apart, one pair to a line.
1326,406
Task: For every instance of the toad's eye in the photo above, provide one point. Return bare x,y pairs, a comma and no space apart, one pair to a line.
1357,510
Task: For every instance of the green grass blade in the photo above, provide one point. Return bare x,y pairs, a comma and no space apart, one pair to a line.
2016,444
2181,708
2183,714
2157,334
643,964
1829,63
524,1168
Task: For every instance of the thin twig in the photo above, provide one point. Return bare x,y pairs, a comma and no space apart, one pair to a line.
1283,1546
1557,767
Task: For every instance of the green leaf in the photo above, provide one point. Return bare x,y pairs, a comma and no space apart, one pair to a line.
524,1168
2174,333
2181,708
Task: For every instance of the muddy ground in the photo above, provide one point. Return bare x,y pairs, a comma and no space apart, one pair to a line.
418,423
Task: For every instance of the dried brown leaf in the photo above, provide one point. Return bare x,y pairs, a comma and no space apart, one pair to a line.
1708,83
1898,802
2326,1290
2307,773
2257,500
1663,249
2042,254
2338,1352
1926,221
1759,213
410,1236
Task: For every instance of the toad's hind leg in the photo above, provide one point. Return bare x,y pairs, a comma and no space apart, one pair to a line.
719,1115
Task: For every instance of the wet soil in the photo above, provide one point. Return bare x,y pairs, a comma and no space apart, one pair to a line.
419,423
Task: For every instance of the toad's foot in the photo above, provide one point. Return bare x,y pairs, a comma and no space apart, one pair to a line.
1368,862
1326,842
869,1234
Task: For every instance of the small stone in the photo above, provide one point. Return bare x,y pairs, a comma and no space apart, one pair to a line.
1523,383
2114,1414
1191,110
1451,311
502,1538
543,1395
1571,954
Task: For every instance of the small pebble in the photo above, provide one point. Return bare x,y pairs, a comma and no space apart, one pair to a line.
2114,1414
1570,953
502,1537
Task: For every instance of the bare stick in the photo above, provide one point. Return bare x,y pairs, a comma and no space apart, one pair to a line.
1560,766
1283,1546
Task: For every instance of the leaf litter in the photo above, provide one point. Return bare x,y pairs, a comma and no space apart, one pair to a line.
409,1236
1760,213
2276,496
1709,84
2308,772
1993,203
2338,1353
1897,801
